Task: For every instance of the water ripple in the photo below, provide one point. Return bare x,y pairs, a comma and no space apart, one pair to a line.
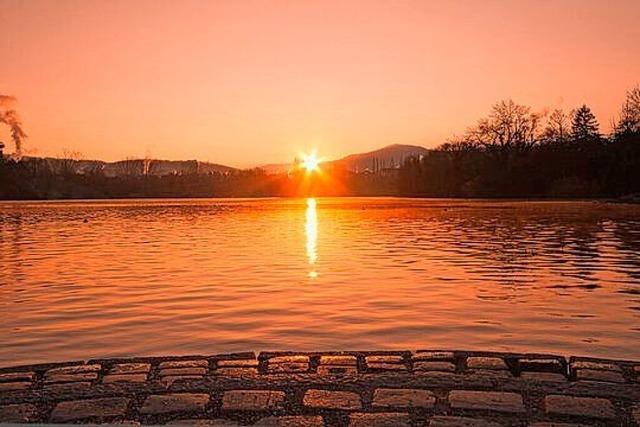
123,278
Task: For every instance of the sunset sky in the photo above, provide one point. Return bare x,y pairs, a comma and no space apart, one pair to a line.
252,82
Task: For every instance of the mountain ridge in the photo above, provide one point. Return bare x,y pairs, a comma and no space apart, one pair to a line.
390,156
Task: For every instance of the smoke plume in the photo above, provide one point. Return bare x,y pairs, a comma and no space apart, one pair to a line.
9,116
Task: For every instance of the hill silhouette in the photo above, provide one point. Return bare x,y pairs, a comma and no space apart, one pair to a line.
392,155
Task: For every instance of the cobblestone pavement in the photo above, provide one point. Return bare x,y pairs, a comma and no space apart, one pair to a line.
420,388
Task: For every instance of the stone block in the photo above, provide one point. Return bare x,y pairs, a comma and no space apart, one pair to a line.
379,419
403,398
596,375
25,376
287,367
337,370
433,355
237,363
18,413
487,400
176,402
236,372
130,368
491,363
342,360
70,378
295,358
384,358
75,369
179,364
22,385
434,366
131,378
76,410
589,364
183,371
252,400
592,407
327,399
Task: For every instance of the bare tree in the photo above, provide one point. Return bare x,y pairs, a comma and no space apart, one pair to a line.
509,125
558,127
629,114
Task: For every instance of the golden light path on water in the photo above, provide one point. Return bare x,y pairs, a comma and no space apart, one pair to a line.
92,279
311,232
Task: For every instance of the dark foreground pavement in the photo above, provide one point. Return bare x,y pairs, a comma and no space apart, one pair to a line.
421,388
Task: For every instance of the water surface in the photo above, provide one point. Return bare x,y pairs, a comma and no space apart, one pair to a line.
123,278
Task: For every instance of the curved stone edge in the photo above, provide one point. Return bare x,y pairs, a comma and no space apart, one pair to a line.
414,388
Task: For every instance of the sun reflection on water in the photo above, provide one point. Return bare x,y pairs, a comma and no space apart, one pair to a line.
311,232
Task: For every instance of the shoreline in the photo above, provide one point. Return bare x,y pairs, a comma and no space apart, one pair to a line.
604,200
404,388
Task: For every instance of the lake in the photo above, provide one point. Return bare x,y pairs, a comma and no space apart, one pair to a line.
84,279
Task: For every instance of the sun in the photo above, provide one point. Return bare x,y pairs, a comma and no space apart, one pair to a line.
311,162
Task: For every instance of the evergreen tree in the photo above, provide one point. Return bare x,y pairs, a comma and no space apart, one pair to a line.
584,124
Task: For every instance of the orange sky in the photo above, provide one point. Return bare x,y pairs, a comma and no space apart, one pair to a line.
251,82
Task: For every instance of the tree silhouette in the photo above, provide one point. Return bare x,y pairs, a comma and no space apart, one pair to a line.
512,152
629,122
557,127
509,125
584,125
489,161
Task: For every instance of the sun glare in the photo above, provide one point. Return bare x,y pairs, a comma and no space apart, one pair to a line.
311,162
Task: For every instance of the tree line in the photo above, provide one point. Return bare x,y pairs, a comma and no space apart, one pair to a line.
515,152
38,178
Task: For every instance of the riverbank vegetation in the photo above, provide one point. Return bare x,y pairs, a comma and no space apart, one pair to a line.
513,152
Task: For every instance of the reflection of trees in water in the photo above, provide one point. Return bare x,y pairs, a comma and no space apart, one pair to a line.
515,243
628,239
628,244
520,246
11,238
580,247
